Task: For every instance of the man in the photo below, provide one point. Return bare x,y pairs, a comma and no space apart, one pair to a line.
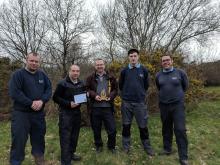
172,83
70,115
133,84
29,89
102,88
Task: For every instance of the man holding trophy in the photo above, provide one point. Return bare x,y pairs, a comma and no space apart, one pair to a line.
102,88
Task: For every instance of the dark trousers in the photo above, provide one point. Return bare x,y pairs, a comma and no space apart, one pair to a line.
173,119
106,116
69,127
22,125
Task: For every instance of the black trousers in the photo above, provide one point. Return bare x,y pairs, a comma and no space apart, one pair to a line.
24,124
69,127
173,119
106,116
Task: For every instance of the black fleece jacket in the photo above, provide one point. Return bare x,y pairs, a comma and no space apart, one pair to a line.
65,92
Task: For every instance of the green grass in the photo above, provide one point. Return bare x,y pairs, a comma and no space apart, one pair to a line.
213,89
203,129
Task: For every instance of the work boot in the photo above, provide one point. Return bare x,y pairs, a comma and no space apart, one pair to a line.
76,157
39,160
165,152
147,147
149,151
184,162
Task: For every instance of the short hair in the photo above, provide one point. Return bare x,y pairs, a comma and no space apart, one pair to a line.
167,54
131,51
33,53
97,59
73,65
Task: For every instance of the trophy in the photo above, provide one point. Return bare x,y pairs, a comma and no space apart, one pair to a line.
103,95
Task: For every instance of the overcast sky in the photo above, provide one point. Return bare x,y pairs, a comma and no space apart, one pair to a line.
211,51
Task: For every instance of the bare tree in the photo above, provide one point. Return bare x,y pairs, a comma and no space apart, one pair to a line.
69,20
153,24
108,17
22,27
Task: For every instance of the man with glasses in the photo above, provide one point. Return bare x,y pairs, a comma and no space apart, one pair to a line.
172,84
102,88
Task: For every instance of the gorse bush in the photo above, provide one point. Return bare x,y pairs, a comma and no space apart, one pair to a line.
6,69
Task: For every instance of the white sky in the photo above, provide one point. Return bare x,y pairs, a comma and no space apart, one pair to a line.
210,53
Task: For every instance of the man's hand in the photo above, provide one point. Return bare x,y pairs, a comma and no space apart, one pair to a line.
73,105
37,105
98,98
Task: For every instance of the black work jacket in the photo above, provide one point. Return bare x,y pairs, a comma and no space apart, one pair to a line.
65,92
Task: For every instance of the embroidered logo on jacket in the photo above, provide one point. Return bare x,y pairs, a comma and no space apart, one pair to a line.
174,78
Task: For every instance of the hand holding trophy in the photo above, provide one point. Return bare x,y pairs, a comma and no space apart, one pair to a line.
103,96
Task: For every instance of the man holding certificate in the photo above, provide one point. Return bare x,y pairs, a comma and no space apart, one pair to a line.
102,88
69,95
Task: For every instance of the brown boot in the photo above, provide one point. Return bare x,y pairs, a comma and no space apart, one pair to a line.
39,160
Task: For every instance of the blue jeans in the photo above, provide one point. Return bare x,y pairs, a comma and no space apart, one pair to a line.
173,119
22,125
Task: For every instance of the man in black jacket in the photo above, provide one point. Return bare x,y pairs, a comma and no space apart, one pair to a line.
70,115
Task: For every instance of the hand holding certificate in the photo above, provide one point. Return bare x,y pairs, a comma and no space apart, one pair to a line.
73,105
80,98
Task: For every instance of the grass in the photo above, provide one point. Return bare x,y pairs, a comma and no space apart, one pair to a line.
213,89
203,129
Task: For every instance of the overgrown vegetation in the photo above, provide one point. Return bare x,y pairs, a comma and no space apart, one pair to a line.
6,68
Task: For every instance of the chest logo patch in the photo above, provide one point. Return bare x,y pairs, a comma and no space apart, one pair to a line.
141,75
174,78
41,81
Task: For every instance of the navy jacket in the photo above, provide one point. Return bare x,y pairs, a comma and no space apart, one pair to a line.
171,85
25,87
133,84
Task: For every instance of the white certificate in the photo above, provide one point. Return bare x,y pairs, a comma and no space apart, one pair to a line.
80,98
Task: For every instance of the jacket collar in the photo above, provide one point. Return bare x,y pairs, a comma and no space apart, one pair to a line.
168,70
108,76
70,81
138,65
